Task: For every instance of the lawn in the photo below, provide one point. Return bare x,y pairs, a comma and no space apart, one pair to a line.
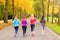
50,19
54,27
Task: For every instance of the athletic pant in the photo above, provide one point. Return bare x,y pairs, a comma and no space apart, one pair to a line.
24,29
16,29
43,25
32,27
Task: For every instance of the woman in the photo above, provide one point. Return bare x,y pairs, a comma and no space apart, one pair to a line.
16,24
24,25
32,22
42,21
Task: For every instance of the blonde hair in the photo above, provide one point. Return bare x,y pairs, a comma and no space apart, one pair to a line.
32,15
16,17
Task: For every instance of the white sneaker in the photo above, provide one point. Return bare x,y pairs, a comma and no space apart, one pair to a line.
33,33
42,32
15,34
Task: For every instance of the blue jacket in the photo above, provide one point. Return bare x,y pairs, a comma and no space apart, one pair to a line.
16,22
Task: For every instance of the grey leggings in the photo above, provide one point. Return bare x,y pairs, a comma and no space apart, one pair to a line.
43,25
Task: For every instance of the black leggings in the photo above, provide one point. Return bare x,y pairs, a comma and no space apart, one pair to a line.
32,27
24,29
16,29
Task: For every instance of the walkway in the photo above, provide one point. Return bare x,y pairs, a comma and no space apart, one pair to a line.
8,34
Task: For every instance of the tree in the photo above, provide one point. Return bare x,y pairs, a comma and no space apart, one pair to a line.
48,10
1,10
37,8
52,11
43,12
6,12
59,13
25,13
20,12
13,9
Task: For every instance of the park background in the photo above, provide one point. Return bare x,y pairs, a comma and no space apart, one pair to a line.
48,8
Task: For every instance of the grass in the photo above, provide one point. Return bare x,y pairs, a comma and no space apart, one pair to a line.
4,25
38,19
50,19
54,27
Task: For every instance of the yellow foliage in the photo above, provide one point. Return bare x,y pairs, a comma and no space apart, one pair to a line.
25,4
28,5
55,9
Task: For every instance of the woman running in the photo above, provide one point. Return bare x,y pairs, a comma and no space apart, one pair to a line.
32,22
24,25
16,24
42,21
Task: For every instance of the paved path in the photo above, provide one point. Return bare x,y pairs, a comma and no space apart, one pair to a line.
8,34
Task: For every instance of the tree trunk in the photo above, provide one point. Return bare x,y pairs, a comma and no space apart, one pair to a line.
13,9
21,13
6,12
25,12
41,10
59,13
0,10
43,13
53,11
48,11
36,14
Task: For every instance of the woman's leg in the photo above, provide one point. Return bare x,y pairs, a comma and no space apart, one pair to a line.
16,30
43,25
25,29
32,27
43,28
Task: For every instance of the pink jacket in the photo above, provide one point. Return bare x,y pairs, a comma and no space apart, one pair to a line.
32,20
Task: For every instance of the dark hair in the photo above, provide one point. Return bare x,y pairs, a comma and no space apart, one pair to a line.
42,17
24,17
